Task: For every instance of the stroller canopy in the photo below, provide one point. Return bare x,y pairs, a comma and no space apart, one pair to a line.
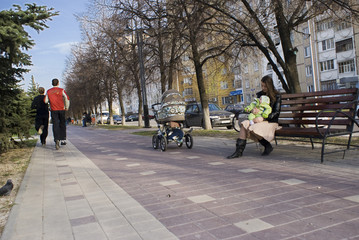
172,107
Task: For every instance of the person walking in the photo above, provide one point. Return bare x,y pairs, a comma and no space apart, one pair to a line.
42,115
84,119
262,132
59,104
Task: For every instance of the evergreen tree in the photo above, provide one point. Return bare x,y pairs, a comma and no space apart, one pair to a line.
14,104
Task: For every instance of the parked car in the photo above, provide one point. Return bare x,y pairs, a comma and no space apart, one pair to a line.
235,108
117,119
102,117
132,117
218,116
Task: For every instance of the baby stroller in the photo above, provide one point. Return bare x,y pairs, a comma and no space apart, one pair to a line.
169,115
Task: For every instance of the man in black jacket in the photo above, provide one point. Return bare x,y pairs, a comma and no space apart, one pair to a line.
42,115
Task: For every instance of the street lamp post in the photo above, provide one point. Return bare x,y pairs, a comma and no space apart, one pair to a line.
142,77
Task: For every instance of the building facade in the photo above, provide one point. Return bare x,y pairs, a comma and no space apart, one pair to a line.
327,58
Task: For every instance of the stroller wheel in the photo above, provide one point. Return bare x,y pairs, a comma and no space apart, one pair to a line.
188,140
155,141
163,144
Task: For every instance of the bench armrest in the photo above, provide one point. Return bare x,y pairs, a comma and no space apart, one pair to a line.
337,111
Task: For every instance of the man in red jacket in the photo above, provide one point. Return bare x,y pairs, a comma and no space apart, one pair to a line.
59,104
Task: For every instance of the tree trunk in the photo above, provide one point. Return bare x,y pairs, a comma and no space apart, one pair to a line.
201,87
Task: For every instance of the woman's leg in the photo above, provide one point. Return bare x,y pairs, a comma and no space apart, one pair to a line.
240,144
267,147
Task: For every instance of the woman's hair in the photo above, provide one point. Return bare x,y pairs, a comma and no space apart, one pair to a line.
272,92
41,90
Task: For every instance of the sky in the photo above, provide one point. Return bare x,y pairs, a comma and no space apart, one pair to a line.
52,45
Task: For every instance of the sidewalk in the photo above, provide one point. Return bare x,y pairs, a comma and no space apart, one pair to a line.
65,196
181,193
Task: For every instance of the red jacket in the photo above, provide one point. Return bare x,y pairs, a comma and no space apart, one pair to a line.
58,99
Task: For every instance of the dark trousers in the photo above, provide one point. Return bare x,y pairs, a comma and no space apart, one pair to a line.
58,125
42,120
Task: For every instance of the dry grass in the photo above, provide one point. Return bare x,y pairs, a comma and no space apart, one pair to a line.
13,165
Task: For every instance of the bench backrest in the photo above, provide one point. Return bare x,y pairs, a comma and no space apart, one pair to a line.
302,108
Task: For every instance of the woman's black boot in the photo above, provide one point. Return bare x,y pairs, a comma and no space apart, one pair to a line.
267,147
240,146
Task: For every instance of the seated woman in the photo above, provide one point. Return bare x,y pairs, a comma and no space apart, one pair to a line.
262,132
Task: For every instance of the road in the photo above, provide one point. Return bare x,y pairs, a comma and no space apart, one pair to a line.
198,194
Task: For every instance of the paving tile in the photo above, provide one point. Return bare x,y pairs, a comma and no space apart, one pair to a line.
169,183
200,235
83,220
247,170
226,232
133,165
147,173
216,163
185,229
354,198
253,225
292,181
201,198
72,198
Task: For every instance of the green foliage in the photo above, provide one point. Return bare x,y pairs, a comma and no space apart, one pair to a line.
14,103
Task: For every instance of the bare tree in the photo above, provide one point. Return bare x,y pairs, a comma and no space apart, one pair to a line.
256,23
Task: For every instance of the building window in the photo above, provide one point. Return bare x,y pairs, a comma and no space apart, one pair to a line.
307,51
258,82
310,88
308,70
329,85
236,70
237,83
346,66
227,100
328,44
247,83
245,68
187,91
256,66
344,24
325,25
327,65
224,85
187,81
305,33
248,98
344,45
185,57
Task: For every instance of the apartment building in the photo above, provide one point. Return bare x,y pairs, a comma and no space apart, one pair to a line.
327,58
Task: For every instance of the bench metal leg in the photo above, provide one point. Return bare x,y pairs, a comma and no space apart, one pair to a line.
349,140
322,153
311,141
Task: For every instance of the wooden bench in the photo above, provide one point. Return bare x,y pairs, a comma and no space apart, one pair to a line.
319,115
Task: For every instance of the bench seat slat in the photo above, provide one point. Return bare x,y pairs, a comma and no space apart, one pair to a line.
339,99
321,93
313,114
315,107
321,122
309,132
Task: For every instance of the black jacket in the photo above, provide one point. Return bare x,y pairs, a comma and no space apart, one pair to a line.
273,117
42,109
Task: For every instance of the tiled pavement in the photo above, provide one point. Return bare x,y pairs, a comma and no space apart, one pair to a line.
118,187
